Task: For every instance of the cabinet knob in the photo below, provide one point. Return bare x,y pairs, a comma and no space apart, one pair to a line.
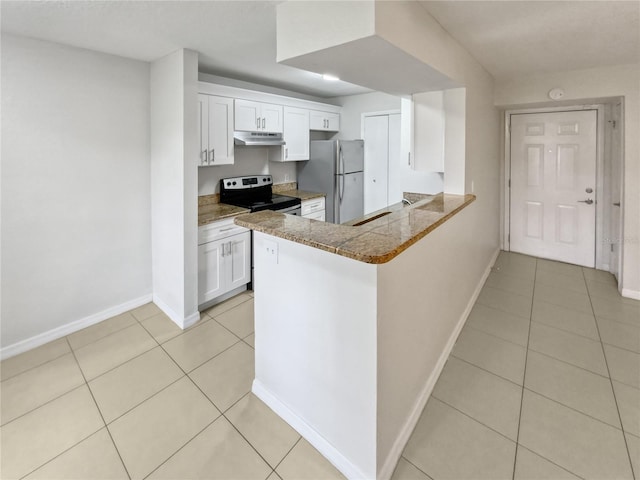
263,123
213,156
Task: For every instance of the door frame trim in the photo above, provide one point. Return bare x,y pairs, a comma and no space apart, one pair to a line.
505,243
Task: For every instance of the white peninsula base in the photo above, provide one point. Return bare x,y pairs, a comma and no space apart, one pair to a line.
348,352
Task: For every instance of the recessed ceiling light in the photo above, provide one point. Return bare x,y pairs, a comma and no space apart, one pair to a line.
330,78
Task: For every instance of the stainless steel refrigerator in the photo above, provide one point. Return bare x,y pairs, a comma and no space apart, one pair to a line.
335,167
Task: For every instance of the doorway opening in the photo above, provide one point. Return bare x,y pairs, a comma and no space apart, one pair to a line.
563,184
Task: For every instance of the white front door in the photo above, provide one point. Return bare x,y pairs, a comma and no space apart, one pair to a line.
553,185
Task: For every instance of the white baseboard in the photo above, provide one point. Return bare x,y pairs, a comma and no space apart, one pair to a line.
628,293
347,468
179,320
72,327
387,469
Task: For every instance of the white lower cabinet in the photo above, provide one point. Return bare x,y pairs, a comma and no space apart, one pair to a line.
313,208
224,259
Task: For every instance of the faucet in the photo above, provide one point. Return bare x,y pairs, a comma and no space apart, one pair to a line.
404,200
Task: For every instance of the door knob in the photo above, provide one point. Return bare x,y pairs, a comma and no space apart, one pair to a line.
616,204
588,201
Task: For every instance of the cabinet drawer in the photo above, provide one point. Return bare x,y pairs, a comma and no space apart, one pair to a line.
312,206
217,230
316,216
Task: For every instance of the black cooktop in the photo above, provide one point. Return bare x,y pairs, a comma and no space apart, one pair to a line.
254,192
276,202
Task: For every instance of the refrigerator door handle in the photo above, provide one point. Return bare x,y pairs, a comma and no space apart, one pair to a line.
341,160
341,189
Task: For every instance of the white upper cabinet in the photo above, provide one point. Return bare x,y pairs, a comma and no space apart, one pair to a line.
296,136
216,130
253,116
326,121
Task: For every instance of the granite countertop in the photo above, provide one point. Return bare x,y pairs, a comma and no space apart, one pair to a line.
376,238
210,210
301,194
217,211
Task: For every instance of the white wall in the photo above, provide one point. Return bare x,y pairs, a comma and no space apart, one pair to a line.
409,26
75,188
248,161
353,106
421,291
316,348
589,86
174,207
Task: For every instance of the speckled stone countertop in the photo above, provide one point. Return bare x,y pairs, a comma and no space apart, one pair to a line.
301,194
217,211
211,210
376,238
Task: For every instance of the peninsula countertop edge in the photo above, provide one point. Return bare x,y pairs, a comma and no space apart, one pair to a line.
375,238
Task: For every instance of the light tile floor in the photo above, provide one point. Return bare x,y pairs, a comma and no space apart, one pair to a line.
543,383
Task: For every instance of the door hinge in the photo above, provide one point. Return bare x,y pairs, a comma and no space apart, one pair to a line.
508,238
509,183
614,124
611,247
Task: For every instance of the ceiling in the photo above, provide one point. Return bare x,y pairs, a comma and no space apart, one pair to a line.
515,38
237,39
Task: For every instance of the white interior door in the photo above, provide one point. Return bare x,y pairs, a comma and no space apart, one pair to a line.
376,162
553,185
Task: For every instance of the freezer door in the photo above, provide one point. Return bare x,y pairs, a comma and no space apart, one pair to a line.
349,197
350,156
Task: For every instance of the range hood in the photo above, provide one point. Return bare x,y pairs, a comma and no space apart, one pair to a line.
258,139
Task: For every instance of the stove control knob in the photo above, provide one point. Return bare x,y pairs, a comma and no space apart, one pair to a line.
234,183
228,184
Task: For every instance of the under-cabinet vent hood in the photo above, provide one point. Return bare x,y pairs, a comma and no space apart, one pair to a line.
258,139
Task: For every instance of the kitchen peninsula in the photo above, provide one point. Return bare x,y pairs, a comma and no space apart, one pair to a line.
354,323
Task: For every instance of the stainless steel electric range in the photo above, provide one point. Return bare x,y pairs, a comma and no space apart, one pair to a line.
255,193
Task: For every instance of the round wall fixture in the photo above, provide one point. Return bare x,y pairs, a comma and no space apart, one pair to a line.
556,93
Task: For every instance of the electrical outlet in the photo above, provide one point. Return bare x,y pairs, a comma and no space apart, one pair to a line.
271,248
286,177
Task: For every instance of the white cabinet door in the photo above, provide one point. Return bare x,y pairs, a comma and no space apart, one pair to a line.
258,117
271,118
211,282
329,122
247,116
203,131
215,134
220,131
296,137
333,122
237,260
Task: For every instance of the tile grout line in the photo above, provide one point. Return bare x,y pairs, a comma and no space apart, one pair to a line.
288,452
613,390
415,466
524,374
474,419
485,370
100,413
40,364
182,446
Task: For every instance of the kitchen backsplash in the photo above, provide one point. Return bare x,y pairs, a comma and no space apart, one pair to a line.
248,161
